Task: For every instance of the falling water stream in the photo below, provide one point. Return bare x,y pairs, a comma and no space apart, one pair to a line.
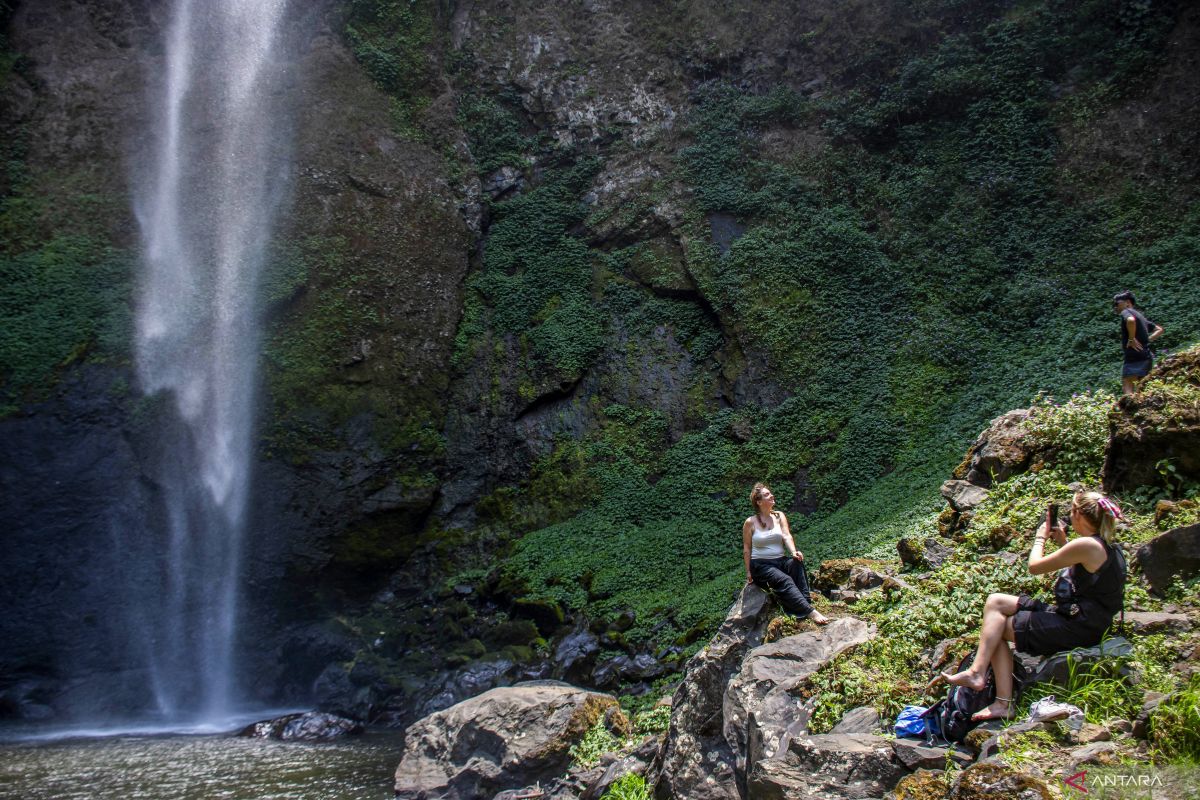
206,199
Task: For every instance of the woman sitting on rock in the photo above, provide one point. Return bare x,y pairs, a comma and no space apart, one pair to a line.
772,560
1094,566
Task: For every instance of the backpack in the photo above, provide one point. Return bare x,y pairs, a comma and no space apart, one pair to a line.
951,716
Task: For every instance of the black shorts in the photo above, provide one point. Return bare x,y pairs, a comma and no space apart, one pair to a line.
1137,369
1040,630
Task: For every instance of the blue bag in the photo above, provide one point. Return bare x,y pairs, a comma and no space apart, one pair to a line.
912,721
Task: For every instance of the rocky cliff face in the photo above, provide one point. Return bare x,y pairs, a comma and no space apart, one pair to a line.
558,283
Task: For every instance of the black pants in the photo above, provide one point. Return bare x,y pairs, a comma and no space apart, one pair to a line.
787,579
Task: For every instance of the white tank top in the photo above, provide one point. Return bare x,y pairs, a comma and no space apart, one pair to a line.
766,543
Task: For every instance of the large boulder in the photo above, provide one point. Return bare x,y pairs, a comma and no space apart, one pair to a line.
1175,553
828,766
1001,451
696,762
963,495
759,705
505,738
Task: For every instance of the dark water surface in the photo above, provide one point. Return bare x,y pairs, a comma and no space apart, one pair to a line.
190,767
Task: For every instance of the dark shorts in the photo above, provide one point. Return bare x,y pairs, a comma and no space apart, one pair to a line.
1040,630
1137,369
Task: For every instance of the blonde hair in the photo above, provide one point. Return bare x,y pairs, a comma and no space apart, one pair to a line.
758,487
1100,511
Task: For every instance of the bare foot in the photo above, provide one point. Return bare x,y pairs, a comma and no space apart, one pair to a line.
818,617
966,678
1001,709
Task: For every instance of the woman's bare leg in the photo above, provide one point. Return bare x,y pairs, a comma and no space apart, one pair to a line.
997,611
1002,669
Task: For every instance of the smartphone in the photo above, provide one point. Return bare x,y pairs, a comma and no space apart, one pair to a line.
1051,517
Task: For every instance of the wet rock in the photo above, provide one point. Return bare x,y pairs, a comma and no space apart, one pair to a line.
642,667
312,726
574,654
502,739
1001,451
758,705
1175,553
863,719
914,754
843,765
963,496
337,693
1147,622
27,699
998,782
466,681
696,762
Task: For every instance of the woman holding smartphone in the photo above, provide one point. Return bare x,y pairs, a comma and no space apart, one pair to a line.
1089,592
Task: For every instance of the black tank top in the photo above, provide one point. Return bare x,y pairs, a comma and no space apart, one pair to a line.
1105,586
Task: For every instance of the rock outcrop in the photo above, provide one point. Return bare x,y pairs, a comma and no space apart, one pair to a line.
1152,432
503,739
1173,554
1001,451
759,704
696,762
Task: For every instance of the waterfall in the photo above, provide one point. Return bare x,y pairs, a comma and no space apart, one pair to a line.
212,174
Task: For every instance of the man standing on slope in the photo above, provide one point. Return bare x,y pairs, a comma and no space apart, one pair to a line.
1136,337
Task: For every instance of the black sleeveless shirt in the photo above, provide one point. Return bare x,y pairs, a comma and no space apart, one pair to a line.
1106,586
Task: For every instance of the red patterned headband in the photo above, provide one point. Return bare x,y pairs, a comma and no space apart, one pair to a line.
1110,507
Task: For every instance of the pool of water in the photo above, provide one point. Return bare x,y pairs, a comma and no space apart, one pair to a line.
198,767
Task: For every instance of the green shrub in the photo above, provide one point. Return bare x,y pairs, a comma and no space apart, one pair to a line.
629,787
654,720
1175,725
1075,432
595,743
56,303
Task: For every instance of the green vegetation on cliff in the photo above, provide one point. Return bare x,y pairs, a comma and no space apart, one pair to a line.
929,263
64,288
